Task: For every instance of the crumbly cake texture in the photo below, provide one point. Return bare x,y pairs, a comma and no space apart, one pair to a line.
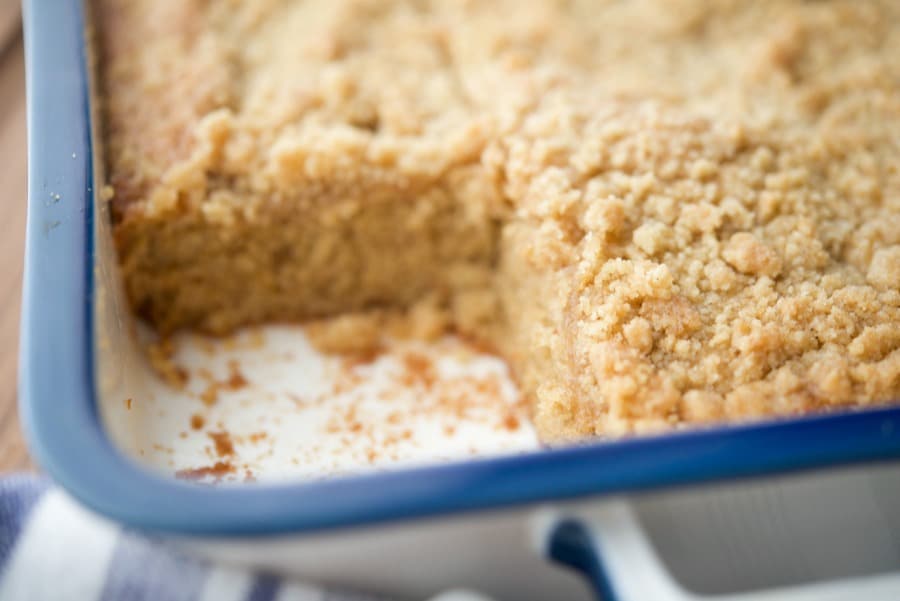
660,212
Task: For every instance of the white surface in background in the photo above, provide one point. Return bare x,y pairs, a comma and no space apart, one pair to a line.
305,415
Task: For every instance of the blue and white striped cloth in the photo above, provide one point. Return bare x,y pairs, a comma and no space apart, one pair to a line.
52,549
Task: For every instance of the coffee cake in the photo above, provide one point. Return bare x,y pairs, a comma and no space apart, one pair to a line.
660,213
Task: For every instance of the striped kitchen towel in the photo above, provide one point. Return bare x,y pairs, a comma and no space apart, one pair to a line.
52,549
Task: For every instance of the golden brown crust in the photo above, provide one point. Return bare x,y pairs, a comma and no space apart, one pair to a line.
661,212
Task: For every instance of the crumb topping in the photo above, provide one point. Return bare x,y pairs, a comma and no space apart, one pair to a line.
689,294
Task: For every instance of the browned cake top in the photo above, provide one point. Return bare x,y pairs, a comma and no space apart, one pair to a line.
278,98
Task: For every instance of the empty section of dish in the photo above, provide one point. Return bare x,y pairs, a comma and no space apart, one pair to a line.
265,404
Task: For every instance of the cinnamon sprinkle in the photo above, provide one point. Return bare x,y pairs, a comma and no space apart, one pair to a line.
347,379
236,379
222,440
218,470
511,422
419,370
210,394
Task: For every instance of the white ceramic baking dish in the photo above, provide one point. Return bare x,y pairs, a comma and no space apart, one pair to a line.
426,514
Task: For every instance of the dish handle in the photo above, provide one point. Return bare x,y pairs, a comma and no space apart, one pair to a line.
608,545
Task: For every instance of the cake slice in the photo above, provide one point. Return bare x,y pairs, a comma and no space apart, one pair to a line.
289,160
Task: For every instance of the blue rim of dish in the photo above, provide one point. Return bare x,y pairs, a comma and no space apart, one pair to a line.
59,411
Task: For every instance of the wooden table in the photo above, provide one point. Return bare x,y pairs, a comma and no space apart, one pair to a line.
13,455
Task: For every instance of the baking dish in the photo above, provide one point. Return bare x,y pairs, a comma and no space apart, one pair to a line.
490,521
